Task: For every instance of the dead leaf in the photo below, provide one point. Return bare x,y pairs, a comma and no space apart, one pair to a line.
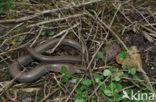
130,59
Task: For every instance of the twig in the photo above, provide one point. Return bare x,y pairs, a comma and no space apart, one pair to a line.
36,37
147,36
58,83
118,9
58,42
10,30
55,20
63,31
126,88
50,94
138,80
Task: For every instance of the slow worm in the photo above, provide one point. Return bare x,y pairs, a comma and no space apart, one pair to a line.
49,63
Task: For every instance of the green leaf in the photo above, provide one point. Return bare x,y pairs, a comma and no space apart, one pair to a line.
109,99
117,97
46,19
43,33
5,4
108,92
97,77
112,86
86,94
133,53
117,76
100,55
118,86
136,77
69,75
9,5
63,69
106,72
128,91
51,33
102,88
78,92
93,100
132,70
112,68
125,75
122,55
83,87
64,78
86,82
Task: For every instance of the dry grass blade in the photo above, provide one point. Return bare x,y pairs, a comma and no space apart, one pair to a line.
56,20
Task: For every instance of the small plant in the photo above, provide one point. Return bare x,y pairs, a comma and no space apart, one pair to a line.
43,33
126,65
82,92
98,77
111,85
100,55
5,5
66,76
51,33
106,72
122,55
